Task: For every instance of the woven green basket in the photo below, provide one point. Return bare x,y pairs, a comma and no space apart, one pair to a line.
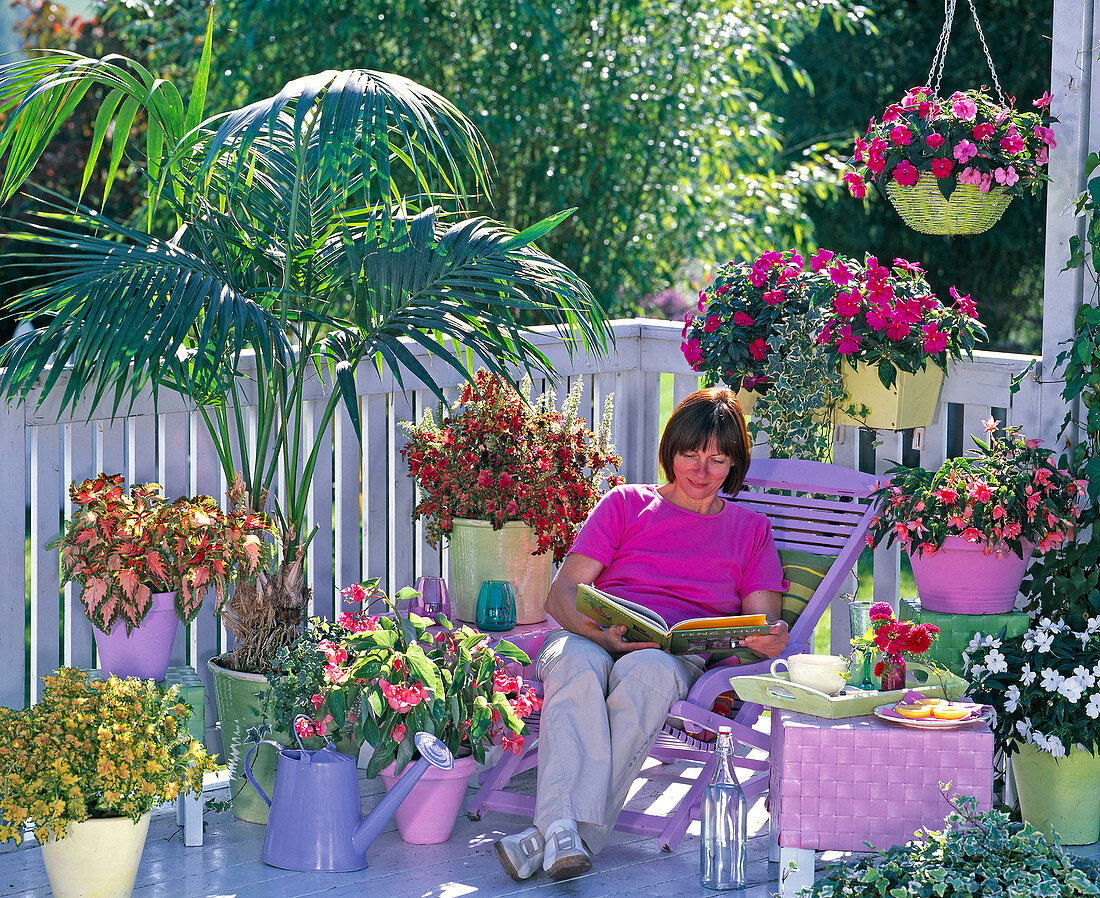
969,211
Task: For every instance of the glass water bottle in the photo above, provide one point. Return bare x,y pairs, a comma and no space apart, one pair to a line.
724,821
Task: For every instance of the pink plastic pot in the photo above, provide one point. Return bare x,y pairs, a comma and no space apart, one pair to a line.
961,579
146,651
428,815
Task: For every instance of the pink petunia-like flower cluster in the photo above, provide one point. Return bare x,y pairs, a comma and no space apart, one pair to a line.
1007,493
876,313
967,138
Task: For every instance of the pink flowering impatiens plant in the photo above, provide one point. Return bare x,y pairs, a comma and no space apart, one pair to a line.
969,137
1007,493
382,678
881,314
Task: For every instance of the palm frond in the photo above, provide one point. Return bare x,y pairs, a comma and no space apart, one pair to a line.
125,314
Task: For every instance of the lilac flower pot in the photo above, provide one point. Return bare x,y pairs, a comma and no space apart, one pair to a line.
145,652
961,579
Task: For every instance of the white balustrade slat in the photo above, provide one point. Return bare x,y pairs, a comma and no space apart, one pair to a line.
205,636
376,480
362,496
78,464
46,638
320,566
348,515
403,548
141,449
13,558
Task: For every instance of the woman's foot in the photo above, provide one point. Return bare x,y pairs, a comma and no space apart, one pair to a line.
565,854
521,854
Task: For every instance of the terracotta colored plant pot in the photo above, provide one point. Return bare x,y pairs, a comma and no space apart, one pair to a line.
961,579
428,814
145,652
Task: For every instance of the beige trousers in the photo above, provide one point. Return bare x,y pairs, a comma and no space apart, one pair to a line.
600,718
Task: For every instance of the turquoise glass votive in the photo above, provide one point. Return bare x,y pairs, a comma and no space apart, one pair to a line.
496,606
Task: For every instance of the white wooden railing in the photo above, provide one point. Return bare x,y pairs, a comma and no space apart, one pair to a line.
362,497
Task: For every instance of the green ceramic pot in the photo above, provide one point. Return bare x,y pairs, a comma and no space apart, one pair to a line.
1059,795
479,553
241,700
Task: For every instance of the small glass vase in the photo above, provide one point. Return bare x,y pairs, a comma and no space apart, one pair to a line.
893,673
859,670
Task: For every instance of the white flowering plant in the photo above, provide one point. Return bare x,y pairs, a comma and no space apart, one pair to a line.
1044,685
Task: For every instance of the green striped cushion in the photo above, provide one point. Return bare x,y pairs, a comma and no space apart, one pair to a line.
804,571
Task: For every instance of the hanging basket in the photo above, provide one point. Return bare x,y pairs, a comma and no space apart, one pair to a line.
969,211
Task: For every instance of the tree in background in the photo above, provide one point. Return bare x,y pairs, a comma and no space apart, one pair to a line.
858,75
647,115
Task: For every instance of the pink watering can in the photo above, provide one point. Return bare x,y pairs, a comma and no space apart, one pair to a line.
315,819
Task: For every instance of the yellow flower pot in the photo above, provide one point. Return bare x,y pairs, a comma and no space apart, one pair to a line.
1059,795
911,402
479,553
97,858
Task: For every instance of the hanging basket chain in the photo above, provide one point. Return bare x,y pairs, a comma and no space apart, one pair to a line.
936,72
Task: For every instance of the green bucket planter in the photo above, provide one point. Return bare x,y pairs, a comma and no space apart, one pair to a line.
1059,795
241,700
479,553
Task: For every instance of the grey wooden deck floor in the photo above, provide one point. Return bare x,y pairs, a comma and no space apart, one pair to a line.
228,864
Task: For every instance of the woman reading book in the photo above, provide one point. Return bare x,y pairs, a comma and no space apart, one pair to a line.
681,550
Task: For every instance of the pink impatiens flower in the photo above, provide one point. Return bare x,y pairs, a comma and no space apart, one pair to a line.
1012,142
758,349
713,323
856,187
964,151
905,174
963,108
901,135
934,140
822,257
846,343
935,340
839,274
941,168
774,297
742,319
983,131
1006,176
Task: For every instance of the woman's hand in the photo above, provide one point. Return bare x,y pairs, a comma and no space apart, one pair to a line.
770,645
613,641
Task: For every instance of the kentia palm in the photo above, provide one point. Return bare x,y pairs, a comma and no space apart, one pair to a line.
318,227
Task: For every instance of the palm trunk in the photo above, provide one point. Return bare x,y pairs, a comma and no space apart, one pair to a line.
266,615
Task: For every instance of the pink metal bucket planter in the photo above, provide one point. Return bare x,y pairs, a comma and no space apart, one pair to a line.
145,652
961,579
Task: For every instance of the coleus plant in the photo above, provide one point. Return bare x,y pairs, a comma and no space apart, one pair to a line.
123,547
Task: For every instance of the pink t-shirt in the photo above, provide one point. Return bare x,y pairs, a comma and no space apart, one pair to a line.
680,563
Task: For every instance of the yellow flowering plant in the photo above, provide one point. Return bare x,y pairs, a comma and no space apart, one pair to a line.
92,748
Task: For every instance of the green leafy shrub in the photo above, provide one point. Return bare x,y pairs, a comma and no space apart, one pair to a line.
974,854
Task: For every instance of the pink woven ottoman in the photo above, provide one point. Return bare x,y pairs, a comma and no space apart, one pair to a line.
836,784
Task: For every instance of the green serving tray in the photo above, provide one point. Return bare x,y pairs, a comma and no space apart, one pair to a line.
779,692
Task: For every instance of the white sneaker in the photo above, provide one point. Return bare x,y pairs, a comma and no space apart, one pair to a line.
566,854
521,855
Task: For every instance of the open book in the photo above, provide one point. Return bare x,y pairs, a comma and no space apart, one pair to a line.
720,636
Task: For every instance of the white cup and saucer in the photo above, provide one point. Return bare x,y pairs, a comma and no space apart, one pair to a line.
824,673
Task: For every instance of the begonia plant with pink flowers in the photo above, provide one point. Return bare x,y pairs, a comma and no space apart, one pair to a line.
1008,493
881,314
384,677
969,137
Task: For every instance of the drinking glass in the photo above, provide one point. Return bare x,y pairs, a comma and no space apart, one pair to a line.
496,606
434,599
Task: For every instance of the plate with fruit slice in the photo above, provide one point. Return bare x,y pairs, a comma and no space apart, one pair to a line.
930,713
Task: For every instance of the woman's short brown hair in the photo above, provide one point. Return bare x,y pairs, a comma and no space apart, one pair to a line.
712,412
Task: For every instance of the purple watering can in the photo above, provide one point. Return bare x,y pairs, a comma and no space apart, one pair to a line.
314,823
